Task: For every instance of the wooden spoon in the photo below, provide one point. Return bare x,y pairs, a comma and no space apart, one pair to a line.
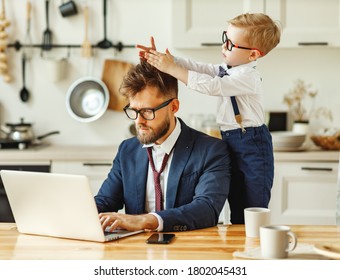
28,42
86,46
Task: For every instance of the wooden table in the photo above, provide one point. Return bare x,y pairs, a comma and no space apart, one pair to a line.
215,243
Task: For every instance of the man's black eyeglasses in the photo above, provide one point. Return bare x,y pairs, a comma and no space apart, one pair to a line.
230,45
146,113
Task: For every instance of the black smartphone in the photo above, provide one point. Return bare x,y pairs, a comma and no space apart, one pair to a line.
160,238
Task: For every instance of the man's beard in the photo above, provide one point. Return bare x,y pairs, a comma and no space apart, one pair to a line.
152,135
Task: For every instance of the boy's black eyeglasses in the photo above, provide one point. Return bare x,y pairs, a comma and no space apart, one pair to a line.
146,113
230,45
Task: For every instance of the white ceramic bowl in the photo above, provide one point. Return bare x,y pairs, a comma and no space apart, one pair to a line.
287,139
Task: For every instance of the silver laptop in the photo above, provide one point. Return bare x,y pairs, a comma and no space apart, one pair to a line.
58,205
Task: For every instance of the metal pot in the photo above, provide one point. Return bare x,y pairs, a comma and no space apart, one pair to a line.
87,99
18,131
22,132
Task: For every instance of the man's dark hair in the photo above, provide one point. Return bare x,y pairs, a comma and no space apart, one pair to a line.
143,75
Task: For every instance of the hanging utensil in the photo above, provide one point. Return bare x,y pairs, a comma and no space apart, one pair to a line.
47,35
105,43
68,9
24,93
28,49
86,46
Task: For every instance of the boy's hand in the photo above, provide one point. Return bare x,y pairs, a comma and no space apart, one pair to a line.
144,50
162,61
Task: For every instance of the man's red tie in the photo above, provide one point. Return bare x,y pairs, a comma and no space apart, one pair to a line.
156,177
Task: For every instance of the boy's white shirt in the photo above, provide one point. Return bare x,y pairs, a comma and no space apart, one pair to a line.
244,82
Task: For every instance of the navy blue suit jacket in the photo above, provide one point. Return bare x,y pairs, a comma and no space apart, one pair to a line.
198,182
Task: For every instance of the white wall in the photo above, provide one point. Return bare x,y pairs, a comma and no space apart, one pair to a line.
132,22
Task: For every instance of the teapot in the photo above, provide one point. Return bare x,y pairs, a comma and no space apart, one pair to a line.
19,132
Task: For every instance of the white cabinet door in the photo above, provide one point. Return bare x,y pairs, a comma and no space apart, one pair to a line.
96,172
307,23
199,23
304,193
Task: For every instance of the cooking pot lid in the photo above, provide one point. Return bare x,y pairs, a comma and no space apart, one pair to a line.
22,123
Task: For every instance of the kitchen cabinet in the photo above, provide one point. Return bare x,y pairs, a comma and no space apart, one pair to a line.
304,23
96,171
304,192
299,195
307,23
199,23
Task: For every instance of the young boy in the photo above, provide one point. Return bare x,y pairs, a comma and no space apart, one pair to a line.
240,115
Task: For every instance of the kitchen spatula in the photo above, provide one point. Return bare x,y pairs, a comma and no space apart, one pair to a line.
47,36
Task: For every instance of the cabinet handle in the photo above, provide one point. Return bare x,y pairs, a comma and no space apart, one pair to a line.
96,164
317,168
211,44
313,43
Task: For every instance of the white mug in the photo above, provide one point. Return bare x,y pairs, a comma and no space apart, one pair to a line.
254,217
277,241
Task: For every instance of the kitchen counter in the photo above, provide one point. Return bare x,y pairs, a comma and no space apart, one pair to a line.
107,153
214,243
308,155
62,153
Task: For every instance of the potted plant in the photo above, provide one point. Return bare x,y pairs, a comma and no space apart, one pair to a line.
300,102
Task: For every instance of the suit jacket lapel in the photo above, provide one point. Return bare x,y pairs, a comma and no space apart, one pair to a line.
181,155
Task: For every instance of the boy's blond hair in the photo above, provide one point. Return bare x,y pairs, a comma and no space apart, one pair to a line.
261,31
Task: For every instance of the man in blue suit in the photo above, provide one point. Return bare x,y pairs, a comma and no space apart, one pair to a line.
194,182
